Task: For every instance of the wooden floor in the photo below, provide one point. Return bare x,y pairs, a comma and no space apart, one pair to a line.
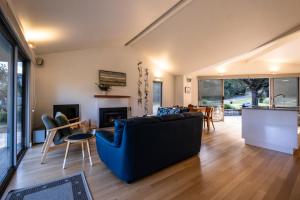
226,168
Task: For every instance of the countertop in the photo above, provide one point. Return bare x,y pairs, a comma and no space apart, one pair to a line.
274,108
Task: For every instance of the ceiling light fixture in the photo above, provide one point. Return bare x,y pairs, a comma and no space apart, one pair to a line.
221,70
31,45
274,69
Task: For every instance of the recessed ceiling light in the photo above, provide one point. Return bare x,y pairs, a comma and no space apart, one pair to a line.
31,45
274,68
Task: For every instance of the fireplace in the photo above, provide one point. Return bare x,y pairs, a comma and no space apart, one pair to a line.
108,115
70,110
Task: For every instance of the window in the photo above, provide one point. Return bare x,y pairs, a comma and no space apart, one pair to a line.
157,96
286,92
13,103
6,135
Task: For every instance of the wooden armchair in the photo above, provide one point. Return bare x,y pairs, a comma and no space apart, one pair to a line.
57,134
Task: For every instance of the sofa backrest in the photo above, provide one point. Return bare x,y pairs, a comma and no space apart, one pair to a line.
162,140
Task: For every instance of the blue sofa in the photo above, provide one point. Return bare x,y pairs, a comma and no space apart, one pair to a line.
149,144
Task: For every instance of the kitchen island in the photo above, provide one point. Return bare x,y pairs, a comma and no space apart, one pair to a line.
271,128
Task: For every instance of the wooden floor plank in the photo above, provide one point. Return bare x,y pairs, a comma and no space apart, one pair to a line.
225,168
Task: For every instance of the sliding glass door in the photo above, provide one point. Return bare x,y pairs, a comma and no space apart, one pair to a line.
211,94
6,135
13,101
20,103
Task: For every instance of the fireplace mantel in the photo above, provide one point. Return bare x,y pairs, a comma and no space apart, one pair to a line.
110,96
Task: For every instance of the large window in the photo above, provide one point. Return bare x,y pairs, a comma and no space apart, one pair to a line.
6,135
241,93
13,67
286,92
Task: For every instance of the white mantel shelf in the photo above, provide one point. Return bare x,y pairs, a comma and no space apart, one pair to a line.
111,96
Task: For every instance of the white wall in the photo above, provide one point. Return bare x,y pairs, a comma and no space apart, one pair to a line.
178,93
70,77
182,98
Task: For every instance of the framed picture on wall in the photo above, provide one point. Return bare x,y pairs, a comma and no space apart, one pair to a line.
187,90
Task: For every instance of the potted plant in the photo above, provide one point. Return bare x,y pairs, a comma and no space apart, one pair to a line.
104,87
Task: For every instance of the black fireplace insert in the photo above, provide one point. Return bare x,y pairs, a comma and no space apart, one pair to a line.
70,110
108,115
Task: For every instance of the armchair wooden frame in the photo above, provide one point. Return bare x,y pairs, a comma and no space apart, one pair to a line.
50,135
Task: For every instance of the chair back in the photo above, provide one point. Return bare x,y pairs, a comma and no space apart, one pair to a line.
209,112
48,122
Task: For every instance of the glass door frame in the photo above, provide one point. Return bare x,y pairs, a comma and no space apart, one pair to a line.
22,57
10,36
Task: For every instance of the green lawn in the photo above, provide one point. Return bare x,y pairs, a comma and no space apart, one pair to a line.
238,101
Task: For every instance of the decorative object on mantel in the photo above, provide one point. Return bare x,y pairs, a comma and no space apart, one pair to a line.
139,83
104,87
146,97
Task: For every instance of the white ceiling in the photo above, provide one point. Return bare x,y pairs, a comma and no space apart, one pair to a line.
206,32
80,24
286,53
199,35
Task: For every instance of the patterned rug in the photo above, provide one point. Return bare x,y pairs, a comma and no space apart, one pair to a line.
68,188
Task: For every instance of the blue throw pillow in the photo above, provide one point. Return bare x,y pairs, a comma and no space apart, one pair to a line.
163,111
119,127
174,111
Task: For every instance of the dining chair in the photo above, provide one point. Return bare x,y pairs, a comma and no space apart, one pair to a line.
208,117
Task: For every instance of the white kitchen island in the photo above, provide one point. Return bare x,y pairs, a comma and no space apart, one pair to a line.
271,128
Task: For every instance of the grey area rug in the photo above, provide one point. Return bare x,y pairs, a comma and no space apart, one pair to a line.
68,188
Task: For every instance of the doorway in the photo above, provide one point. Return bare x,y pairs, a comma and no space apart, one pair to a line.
157,96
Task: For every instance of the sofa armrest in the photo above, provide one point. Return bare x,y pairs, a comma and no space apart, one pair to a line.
107,138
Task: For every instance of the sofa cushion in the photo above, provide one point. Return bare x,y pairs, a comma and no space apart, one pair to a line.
119,127
146,120
192,114
172,117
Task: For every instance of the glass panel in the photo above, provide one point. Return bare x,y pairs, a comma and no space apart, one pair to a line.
20,108
211,94
286,92
240,93
157,96
6,57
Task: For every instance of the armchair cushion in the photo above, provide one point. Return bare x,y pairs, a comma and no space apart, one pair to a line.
61,120
119,127
48,122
